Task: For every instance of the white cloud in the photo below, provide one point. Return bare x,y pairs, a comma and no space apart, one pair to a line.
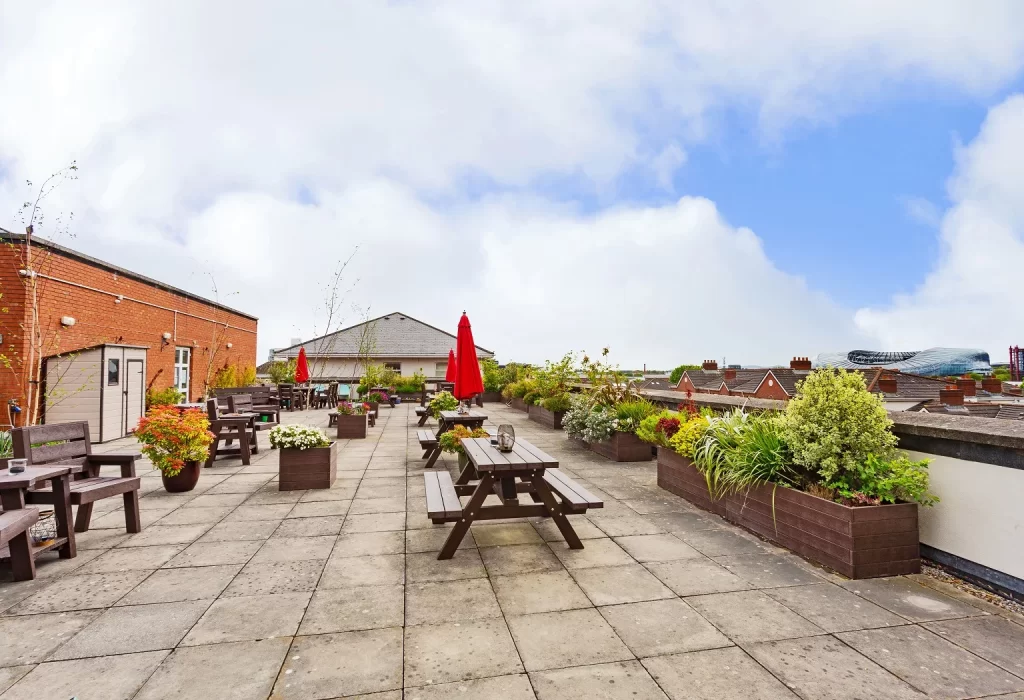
923,211
971,298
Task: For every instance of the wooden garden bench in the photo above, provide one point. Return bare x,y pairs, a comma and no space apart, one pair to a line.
14,527
428,442
226,429
69,444
443,504
242,403
423,414
575,498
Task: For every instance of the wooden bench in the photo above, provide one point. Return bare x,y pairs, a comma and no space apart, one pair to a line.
14,526
243,403
226,429
423,414
68,443
443,504
428,442
575,498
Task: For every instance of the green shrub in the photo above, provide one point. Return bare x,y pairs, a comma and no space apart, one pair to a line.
630,413
555,378
443,401
684,442
531,397
677,373
410,385
834,424
761,456
282,372
6,444
556,403
711,453
588,421
880,480
163,397
659,428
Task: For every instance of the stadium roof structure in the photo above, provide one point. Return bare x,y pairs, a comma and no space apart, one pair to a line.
933,362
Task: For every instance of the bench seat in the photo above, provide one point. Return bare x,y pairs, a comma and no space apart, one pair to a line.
427,439
443,504
15,522
423,414
575,498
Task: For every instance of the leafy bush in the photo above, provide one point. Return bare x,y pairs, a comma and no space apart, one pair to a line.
377,375
347,408
170,438
6,444
302,437
556,403
451,440
659,428
880,480
532,397
608,386
629,414
555,378
761,456
588,422
834,423
377,397
409,385
677,373
163,397
491,374
711,453
282,372
230,376
684,442
443,401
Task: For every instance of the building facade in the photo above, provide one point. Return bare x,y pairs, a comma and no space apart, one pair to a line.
84,303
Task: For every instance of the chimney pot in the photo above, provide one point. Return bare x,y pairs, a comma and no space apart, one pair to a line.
887,384
801,363
968,386
710,365
730,374
951,396
992,385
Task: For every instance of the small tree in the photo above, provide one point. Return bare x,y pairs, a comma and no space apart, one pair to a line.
677,373
834,424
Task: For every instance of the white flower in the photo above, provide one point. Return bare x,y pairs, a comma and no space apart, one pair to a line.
302,437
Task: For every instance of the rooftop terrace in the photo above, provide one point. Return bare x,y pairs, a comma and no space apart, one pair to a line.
240,591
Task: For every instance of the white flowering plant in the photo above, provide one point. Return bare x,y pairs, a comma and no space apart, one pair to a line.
301,437
588,421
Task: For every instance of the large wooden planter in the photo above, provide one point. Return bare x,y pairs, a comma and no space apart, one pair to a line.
551,419
519,405
858,542
491,397
314,468
351,427
622,447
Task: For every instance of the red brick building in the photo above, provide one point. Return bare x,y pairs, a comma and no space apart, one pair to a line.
84,303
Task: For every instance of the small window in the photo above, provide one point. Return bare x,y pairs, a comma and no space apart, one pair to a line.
397,366
440,369
113,372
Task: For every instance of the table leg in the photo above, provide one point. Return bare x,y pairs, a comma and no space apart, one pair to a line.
468,474
62,513
555,510
434,454
468,515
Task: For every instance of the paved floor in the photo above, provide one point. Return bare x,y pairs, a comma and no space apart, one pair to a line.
239,591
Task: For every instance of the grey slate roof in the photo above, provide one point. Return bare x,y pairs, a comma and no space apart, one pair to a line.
395,335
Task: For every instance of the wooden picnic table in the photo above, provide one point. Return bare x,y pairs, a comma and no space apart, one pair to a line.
12,496
525,470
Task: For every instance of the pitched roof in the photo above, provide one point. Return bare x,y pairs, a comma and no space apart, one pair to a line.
393,335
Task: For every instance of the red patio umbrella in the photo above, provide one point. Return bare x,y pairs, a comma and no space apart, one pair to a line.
468,382
449,374
301,368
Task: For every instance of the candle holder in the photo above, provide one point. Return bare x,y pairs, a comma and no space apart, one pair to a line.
506,438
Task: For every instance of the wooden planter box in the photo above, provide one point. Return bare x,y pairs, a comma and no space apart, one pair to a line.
520,405
410,398
858,542
351,427
491,397
551,419
314,468
622,447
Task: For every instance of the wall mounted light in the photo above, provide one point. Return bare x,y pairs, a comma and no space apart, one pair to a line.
67,321
165,339
118,298
228,346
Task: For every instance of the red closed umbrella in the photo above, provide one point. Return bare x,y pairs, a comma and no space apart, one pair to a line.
468,382
301,368
449,374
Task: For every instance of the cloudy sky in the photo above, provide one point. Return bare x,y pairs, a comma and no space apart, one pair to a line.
674,180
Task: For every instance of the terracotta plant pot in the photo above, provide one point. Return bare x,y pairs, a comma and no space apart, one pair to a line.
351,427
315,468
183,481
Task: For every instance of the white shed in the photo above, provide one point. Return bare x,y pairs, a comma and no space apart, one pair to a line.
103,384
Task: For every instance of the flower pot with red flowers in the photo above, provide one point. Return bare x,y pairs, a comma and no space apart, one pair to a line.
351,420
176,442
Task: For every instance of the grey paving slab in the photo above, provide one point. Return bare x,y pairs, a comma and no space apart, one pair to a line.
696,577
242,531
310,527
718,674
351,609
194,516
30,639
597,552
361,544
216,553
823,667
660,547
992,638
130,559
450,601
12,674
459,651
319,509
833,608
83,592
931,664
613,585
268,578
544,591
722,542
625,524
751,616
519,559
910,600
200,673
134,628
108,677
770,570
249,618
363,506
514,687
247,513
566,638
584,529
278,549
616,681
154,535
662,627
378,570
374,522
172,585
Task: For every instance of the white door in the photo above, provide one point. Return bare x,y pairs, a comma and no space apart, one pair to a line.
134,394
182,362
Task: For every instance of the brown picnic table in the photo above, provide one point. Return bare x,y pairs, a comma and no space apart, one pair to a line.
13,488
525,470
446,420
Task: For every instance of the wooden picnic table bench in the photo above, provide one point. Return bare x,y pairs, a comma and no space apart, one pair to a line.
428,441
554,494
18,516
447,420
266,416
423,414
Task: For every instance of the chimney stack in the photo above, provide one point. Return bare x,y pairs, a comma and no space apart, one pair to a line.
800,363
992,385
968,386
730,374
951,396
887,384
710,365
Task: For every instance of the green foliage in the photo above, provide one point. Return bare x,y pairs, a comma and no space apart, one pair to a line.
235,375
556,403
882,480
491,374
586,421
833,424
659,428
555,378
519,389
6,444
711,453
410,385
451,440
684,442
532,397
163,397
677,373
761,456
607,385
377,375
282,372
1001,373
443,401
629,414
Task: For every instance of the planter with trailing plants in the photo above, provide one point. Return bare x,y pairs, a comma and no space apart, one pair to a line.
549,412
177,443
823,479
351,421
309,459
607,425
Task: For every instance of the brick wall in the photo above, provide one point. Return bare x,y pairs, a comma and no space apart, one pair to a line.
100,318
